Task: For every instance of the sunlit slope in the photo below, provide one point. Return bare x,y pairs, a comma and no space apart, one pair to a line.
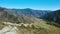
39,27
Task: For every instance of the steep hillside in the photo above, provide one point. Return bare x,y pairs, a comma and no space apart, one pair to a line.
38,27
10,16
53,17
5,15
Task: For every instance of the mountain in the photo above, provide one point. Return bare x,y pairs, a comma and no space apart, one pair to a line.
9,16
30,12
52,17
6,15
10,22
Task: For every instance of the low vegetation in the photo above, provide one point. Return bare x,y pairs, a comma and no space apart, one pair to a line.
39,25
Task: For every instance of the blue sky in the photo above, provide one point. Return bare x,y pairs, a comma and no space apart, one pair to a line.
33,4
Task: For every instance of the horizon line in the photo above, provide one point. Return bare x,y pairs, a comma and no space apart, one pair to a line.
31,8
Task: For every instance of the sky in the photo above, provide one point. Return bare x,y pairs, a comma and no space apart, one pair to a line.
33,4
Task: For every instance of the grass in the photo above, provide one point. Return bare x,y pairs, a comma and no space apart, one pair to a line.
2,25
54,24
51,29
39,27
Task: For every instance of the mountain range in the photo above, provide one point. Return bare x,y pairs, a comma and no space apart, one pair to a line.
31,12
44,21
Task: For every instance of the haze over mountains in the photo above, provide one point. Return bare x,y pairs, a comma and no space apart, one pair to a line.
15,14
44,14
43,21
31,12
